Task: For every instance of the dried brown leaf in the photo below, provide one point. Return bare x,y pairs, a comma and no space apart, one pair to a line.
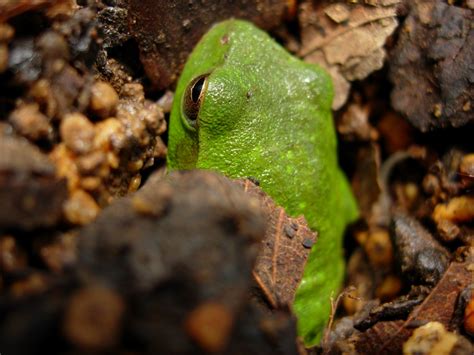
346,39
284,250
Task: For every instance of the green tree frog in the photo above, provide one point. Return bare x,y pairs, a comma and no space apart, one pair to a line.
246,107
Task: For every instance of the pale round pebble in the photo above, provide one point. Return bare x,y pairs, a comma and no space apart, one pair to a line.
77,132
104,99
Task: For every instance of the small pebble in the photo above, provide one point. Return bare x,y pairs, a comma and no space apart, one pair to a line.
432,338
43,94
77,132
458,209
104,99
65,165
135,183
81,208
91,183
92,163
31,123
378,248
448,231
110,134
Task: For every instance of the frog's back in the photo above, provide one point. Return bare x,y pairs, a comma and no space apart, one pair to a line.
284,133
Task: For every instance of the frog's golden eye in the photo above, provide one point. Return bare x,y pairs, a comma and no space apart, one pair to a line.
193,97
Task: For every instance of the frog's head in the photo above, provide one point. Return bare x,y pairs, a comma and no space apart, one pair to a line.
207,117
243,106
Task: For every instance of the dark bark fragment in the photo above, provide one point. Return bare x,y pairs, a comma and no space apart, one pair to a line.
431,66
167,31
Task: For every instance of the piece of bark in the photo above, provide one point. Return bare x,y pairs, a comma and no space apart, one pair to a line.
431,66
283,252
30,194
167,31
422,259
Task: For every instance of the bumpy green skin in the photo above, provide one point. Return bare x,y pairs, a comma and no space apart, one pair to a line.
266,115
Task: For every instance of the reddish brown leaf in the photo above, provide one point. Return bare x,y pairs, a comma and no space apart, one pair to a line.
284,251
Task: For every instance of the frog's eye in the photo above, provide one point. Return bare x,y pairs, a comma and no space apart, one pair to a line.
193,97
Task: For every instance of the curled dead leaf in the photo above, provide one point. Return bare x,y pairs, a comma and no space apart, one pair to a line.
346,39
283,252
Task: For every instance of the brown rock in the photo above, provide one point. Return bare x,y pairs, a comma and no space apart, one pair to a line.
458,209
31,123
77,132
433,338
422,259
80,208
430,66
104,99
110,134
66,166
